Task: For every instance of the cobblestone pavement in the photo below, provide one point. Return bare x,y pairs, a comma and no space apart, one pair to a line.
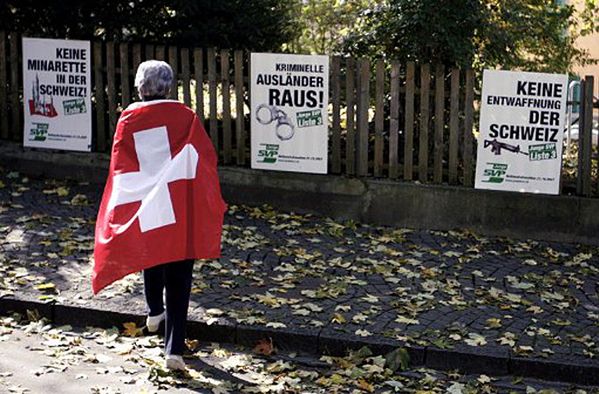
449,290
39,358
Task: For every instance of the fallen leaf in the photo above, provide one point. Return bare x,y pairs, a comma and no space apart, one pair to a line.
475,339
338,318
493,322
398,359
276,325
364,385
131,330
264,347
46,286
363,333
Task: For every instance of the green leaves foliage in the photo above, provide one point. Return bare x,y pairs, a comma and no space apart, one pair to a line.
255,25
535,35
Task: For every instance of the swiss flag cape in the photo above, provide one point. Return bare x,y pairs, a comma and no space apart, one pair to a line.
162,201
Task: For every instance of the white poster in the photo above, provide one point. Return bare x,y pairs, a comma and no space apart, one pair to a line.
289,99
57,94
522,121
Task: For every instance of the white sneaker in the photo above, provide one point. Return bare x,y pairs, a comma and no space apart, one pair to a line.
174,362
153,322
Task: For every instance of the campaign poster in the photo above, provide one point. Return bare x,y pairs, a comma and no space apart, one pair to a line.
289,114
522,122
57,94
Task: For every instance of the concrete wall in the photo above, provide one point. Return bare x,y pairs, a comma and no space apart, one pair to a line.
559,218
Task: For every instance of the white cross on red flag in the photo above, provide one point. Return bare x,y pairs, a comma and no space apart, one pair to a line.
162,201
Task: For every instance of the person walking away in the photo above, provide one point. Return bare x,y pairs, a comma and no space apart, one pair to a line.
162,206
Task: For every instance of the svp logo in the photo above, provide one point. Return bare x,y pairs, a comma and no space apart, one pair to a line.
495,172
268,153
38,132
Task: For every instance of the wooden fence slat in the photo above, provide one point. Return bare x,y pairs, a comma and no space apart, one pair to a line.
454,108
239,117
363,105
149,52
17,122
136,62
394,122
186,76
99,98
350,146
425,82
439,123
124,65
4,132
336,126
173,60
226,93
111,86
468,123
198,74
160,53
136,57
409,123
212,98
379,118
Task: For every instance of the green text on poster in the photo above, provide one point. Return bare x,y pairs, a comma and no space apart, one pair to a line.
495,172
74,106
268,153
309,118
39,132
542,152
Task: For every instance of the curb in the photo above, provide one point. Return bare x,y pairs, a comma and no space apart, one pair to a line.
312,342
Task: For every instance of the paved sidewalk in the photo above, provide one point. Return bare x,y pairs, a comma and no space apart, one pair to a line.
39,358
321,285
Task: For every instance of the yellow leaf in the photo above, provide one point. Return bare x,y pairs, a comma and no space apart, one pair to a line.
534,309
192,344
131,330
493,322
523,349
560,322
364,385
406,320
62,191
46,286
79,199
337,379
338,318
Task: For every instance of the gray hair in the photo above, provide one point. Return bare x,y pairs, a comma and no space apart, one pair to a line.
153,79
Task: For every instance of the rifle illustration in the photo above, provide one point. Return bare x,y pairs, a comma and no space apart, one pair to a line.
497,146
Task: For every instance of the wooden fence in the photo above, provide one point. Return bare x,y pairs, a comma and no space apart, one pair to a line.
410,122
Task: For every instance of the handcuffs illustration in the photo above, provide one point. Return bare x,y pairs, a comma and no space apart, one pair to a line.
266,114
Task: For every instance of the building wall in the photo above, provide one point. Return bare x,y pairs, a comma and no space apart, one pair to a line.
590,43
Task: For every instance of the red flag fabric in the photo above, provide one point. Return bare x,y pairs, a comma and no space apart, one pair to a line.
162,201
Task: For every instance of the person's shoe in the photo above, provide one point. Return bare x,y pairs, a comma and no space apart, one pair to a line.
153,322
174,362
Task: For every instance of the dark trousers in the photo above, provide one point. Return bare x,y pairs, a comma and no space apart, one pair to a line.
176,279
